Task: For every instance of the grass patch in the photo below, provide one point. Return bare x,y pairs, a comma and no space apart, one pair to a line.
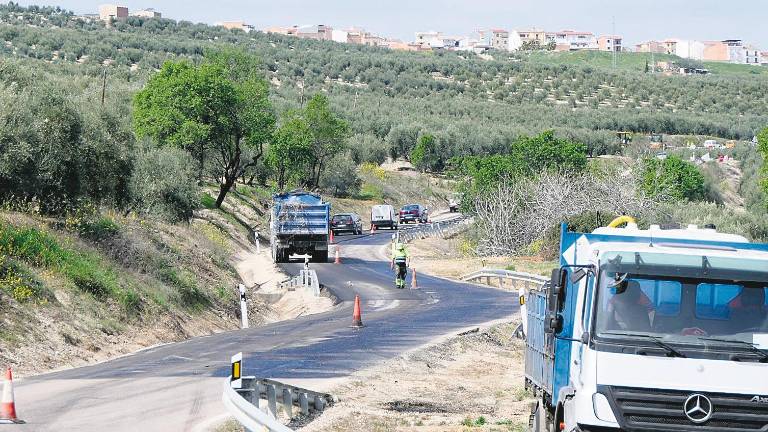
215,235
189,293
480,421
370,192
207,201
38,248
100,228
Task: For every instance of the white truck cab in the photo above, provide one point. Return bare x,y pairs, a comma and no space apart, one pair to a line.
651,330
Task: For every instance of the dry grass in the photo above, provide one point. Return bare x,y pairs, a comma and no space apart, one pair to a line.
470,382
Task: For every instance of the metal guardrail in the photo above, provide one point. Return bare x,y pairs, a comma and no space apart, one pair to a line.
502,275
307,279
441,229
255,405
522,282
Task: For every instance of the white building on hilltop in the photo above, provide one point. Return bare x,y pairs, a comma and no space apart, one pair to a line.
147,13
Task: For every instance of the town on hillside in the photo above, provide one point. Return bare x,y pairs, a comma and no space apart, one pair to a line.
480,41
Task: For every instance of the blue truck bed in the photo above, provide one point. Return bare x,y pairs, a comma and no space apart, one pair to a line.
539,352
300,225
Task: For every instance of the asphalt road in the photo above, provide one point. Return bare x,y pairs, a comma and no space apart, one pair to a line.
177,387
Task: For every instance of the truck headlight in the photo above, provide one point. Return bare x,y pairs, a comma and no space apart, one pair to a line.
602,408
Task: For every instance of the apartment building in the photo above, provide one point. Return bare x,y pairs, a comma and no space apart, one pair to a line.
317,32
494,38
399,45
236,25
518,37
651,46
752,55
609,43
764,58
281,30
108,12
569,40
429,39
147,13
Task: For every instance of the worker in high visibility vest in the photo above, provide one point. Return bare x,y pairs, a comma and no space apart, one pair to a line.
401,259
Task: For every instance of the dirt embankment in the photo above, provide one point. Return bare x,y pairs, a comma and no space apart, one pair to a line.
474,379
71,297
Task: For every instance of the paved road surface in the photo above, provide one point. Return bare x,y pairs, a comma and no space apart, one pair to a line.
177,387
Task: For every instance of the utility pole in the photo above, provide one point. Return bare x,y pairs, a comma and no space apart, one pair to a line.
104,88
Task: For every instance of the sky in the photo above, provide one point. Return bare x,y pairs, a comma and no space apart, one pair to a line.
636,20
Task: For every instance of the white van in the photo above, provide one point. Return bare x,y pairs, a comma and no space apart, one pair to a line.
384,215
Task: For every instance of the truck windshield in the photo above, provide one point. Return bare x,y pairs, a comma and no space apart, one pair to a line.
693,300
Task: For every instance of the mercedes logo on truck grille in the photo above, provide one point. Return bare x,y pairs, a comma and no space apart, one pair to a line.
698,408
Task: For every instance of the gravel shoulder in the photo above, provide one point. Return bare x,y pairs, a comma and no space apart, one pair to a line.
473,380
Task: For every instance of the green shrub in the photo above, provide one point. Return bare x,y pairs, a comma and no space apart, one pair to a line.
672,178
99,228
163,184
340,177
130,301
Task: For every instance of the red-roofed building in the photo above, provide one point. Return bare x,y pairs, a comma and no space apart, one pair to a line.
609,43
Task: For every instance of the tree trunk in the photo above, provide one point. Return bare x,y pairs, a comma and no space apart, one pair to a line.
224,189
201,166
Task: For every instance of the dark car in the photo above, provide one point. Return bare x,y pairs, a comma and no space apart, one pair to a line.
347,222
413,213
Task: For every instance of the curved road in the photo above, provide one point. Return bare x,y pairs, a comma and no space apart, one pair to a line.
176,387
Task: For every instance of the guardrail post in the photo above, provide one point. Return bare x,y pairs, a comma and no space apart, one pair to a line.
243,306
319,403
501,282
272,400
304,403
288,402
260,389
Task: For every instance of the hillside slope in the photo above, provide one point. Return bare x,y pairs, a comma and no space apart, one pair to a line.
88,288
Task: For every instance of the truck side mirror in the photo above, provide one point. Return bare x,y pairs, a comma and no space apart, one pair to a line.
558,286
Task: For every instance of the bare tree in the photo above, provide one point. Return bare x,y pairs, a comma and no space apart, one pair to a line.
518,213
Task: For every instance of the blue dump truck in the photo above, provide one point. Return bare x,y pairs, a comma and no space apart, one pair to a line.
650,330
299,224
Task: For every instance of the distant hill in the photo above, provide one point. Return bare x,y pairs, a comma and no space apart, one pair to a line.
473,105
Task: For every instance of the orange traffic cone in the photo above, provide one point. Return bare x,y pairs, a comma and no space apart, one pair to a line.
357,317
414,285
7,405
332,236
338,258
373,229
